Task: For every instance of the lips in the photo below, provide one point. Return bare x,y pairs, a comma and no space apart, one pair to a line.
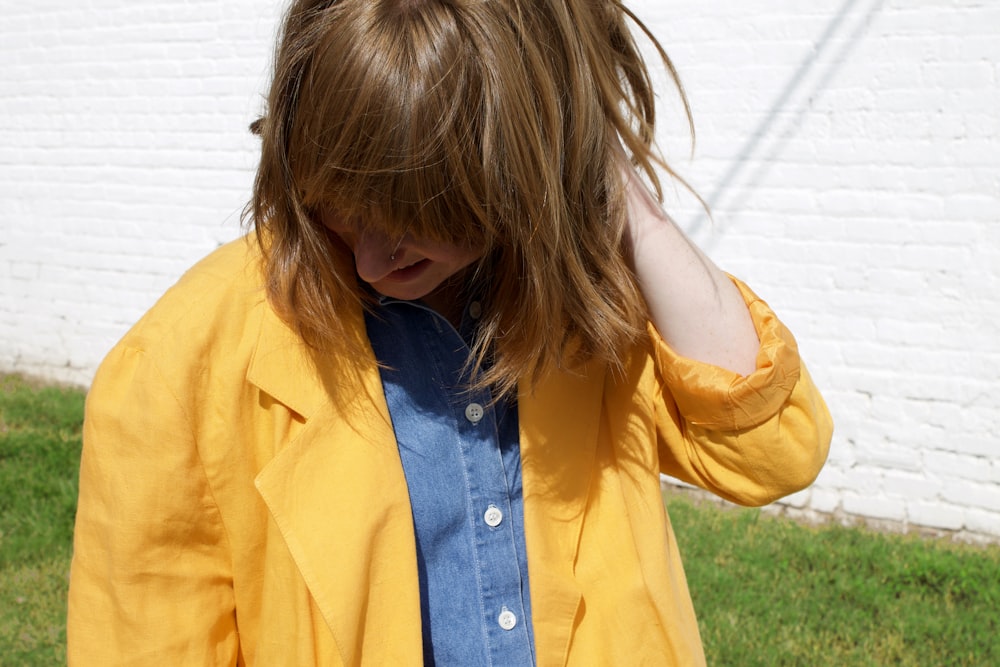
408,272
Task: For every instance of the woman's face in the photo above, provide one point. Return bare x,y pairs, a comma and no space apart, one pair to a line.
403,268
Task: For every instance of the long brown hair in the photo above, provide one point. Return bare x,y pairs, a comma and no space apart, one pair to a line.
503,124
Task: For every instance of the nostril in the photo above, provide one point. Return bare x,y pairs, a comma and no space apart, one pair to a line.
372,258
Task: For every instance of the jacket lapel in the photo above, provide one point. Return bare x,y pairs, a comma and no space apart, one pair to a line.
559,424
338,495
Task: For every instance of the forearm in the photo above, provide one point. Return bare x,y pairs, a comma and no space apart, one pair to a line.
693,305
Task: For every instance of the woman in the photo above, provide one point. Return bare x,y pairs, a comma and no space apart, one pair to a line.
419,414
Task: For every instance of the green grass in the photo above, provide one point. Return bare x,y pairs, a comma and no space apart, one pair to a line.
768,591
39,457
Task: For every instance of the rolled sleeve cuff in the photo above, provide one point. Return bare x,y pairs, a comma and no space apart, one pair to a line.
720,399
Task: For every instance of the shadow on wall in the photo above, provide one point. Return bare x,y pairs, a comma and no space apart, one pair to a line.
766,141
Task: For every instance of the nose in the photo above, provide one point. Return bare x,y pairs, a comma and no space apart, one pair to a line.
373,255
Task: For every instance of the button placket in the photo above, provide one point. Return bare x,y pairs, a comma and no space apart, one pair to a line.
497,553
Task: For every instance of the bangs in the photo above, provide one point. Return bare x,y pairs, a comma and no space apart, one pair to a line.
386,129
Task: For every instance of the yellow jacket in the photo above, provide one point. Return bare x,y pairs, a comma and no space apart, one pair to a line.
242,502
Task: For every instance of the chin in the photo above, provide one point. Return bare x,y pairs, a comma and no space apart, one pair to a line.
404,292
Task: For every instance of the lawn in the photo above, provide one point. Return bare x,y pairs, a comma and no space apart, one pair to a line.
39,456
768,591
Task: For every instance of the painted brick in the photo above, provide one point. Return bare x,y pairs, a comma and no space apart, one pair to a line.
892,509
824,500
890,456
982,522
937,515
973,494
911,486
798,500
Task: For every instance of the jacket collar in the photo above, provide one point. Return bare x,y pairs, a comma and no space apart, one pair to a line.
283,368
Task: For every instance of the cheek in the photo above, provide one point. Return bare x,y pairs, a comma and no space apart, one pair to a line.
461,257
345,240
344,229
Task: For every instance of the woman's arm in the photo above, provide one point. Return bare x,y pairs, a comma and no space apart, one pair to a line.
151,579
743,418
694,306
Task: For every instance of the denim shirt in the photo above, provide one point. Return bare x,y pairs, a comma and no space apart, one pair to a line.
462,464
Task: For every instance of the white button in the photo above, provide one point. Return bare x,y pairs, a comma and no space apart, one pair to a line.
507,619
493,516
474,412
475,310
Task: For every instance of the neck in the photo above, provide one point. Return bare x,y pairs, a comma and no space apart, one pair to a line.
449,299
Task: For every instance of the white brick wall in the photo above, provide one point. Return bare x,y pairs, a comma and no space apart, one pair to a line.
852,153
124,157
850,150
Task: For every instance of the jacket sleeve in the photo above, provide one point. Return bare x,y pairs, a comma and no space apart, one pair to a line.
151,578
749,439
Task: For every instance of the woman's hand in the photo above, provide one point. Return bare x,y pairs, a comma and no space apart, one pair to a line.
692,304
